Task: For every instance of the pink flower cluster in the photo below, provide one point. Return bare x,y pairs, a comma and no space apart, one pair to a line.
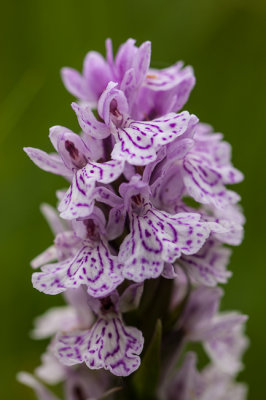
140,236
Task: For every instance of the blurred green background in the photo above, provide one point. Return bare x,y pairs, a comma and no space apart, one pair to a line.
224,40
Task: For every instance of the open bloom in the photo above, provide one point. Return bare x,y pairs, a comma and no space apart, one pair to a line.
108,344
221,334
208,384
90,263
157,237
74,162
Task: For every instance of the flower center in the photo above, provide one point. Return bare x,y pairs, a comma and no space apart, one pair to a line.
116,116
106,305
92,232
78,393
78,159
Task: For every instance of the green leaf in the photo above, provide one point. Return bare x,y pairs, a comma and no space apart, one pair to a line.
146,378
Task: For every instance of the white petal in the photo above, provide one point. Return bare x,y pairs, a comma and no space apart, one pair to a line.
157,237
109,345
93,266
139,141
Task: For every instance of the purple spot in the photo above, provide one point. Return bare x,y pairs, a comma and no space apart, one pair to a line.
147,233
